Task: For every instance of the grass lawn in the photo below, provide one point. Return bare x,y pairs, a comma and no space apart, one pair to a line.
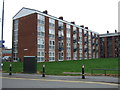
57,68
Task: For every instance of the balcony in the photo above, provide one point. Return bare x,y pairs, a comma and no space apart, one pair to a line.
75,41
96,50
85,42
96,37
86,49
74,32
96,44
93,37
93,44
85,35
60,28
61,48
75,49
93,50
60,38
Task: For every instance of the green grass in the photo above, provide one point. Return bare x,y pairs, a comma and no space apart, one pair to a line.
57,68
17,67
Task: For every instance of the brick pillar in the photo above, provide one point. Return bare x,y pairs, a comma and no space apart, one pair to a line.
65,39
106,54
83,43
98,46
56,40
113,46
87,46
95,45
46,39
71,36
91,46
78,44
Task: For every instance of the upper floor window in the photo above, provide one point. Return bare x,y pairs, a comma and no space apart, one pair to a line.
16,24
41,17
51,23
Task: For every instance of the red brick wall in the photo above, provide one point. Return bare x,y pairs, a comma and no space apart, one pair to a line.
7,54
91,45
98,46
56,40
65,41
71,42
27,36
95,45
78,45
105,40
87,46
83,43
113,46
46,39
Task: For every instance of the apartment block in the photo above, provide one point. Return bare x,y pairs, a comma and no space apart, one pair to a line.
50,38
110,45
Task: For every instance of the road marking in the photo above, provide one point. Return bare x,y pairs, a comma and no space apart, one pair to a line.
52,80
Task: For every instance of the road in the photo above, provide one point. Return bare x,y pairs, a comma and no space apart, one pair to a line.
10,82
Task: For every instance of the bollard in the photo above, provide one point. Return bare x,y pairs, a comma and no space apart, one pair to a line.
43,73
10,73
83,75
1,66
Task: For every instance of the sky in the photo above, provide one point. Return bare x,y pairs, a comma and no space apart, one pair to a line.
97,15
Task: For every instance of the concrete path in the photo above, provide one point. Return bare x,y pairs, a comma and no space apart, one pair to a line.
106,79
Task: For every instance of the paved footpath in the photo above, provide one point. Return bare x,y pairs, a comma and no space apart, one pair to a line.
106,79
52,81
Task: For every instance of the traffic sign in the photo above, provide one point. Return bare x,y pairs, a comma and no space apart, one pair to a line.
2,46
2,41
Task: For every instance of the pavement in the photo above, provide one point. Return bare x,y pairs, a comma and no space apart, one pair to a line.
105,79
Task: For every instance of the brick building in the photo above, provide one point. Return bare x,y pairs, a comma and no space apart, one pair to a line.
110,45
7,52
50,38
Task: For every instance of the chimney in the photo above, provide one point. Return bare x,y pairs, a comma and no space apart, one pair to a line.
107,31
82,26
115,31
46,12
73,22
86,27
61,17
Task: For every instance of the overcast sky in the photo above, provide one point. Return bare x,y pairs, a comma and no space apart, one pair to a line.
97,15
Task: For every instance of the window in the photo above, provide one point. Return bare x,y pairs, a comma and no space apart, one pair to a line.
51,55
40,59
41,17
15,49
53,42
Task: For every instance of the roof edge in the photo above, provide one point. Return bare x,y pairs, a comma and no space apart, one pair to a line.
37,11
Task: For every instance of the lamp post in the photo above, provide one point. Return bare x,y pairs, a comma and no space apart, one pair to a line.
2,20
2,31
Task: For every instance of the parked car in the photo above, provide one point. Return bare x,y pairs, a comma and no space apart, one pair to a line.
6,58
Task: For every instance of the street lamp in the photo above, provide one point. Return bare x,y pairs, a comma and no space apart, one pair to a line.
2,21
2,31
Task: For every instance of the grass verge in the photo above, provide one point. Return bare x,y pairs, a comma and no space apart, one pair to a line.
58,68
